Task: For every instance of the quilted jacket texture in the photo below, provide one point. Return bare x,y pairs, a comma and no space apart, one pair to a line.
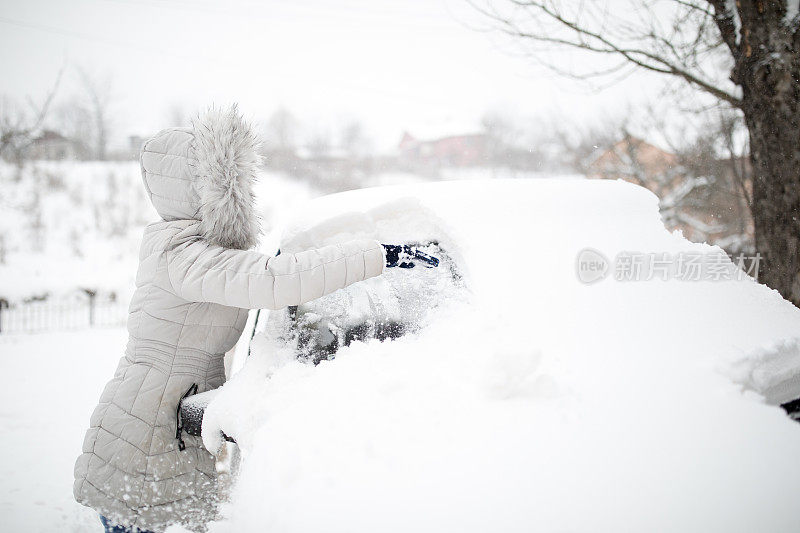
194,285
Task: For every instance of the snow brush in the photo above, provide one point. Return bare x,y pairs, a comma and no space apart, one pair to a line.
404,256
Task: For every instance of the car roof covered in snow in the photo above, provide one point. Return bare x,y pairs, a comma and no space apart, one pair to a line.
539,401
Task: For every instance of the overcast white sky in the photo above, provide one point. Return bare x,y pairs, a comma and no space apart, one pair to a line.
393,64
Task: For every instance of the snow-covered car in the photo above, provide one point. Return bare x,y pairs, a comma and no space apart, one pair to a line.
537,380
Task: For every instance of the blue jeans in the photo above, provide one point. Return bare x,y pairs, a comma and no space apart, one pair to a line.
111,528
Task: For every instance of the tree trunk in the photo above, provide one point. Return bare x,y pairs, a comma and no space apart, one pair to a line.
768,70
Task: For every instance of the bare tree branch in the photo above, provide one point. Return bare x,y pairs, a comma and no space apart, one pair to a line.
655,51
16,130
99,98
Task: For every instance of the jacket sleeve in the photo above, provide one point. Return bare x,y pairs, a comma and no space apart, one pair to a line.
202,272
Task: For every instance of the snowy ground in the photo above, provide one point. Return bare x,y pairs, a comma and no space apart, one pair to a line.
51,383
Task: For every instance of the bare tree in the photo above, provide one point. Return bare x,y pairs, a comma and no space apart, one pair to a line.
518,143
98,97
176,115
282,129
280,141
501,133
745,53
73,119
578,144
719,152
16,129
19,125
320,144
354,140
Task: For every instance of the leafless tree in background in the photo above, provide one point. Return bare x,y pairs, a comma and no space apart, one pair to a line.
176,115
719,154
579,144
73,119
280,140
519,143
320,144
354,141
501,135
282,131
97,94
19,125
743,53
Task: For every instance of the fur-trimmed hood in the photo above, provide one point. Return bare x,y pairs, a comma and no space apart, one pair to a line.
206,173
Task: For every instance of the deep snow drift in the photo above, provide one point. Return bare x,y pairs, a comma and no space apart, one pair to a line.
529,401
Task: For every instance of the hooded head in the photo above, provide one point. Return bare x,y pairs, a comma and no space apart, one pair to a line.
206,173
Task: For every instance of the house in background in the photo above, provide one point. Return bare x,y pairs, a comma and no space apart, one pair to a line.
135,145
462,150
51,145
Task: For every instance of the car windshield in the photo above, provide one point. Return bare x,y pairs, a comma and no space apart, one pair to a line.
400,301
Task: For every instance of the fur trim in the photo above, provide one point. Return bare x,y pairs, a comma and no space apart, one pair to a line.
226,163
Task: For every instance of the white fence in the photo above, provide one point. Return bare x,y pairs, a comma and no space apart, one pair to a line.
31,317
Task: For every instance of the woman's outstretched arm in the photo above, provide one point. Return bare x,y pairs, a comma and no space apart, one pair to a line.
201,272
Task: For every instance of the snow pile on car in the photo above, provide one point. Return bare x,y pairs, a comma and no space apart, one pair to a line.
527,400
400,302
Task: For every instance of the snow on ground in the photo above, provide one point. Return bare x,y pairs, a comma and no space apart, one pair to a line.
533,403
51,384
87,216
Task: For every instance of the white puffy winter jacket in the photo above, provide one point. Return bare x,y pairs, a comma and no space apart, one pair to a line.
195,283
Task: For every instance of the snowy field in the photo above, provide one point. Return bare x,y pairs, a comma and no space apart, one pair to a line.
51,384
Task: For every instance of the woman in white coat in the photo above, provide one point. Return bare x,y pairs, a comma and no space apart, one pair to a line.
195,283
